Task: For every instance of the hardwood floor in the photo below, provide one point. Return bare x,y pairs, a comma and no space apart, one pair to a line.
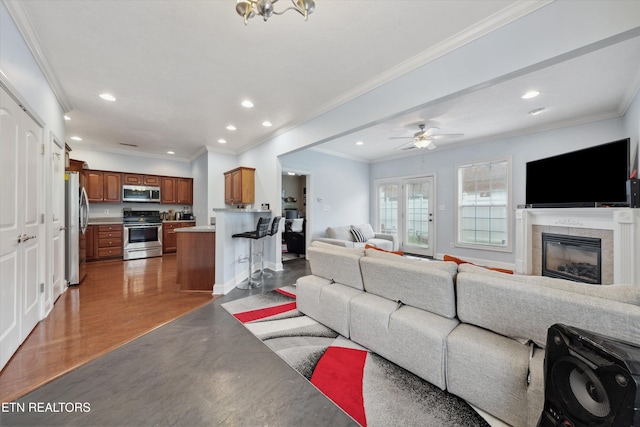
116,303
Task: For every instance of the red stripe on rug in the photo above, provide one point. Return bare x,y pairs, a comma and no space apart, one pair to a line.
283,292
249,316
338,375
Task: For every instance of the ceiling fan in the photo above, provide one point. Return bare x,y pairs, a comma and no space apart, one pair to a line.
424,138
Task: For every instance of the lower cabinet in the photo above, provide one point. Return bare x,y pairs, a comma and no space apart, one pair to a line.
104,242
169,240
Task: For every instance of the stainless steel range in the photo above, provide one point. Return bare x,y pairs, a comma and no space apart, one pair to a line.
142,234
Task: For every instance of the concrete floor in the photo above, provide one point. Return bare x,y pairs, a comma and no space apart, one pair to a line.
204,368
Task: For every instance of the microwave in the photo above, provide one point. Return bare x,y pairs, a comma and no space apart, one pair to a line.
139,193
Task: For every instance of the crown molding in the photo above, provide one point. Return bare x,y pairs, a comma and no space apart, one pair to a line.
18,14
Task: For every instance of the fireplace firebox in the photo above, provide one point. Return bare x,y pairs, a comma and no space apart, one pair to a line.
572,257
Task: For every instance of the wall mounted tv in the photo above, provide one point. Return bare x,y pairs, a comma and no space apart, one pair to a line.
591,177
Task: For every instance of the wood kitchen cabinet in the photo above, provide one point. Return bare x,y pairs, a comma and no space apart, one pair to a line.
137,179
176,190
239,186
104,242
91,243
169,239
103,186
109,241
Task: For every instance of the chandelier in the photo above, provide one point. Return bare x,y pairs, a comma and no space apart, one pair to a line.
249,8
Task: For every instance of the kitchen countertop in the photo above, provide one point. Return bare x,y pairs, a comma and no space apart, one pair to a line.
199,229
243,210
106,221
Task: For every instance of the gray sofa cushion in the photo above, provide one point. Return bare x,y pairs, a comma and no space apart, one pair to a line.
338,264
448,266
341,233
412,338
326,302
415,284
629,294
526,311
489,371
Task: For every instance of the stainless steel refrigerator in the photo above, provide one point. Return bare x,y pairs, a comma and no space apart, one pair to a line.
77,219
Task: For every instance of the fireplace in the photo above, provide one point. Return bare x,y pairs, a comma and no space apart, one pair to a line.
572,257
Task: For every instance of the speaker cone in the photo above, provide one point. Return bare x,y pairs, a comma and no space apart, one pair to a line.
581,389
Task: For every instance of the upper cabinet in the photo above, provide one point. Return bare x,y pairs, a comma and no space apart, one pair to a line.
106,186
239,186
137,179
176,190
103,186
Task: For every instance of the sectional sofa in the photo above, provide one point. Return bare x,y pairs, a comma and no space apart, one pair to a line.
477,333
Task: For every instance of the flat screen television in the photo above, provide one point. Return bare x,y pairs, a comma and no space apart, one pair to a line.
591,177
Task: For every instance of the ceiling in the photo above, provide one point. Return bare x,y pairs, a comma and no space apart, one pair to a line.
180,69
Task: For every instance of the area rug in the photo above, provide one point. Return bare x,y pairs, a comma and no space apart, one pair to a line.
372,390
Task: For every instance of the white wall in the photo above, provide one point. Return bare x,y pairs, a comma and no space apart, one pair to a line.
520,149
631,123
341,184
102,160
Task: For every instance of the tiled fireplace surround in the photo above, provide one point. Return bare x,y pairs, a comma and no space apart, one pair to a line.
619,229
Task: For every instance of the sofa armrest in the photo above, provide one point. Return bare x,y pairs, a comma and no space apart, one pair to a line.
336,242
392,237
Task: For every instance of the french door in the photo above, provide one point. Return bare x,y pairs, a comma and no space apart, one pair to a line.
405,208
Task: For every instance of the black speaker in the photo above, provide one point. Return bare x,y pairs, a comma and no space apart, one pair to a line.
590,380
633,193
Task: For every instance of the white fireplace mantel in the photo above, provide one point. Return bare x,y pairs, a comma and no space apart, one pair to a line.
624,222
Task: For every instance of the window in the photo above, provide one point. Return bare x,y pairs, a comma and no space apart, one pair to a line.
484,198
388,208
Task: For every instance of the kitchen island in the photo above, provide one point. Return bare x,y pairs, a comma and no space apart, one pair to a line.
196,251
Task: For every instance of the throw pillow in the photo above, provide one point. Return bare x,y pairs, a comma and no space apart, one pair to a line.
358,236
461,261
368,246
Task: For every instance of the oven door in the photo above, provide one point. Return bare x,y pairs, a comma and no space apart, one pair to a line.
142,241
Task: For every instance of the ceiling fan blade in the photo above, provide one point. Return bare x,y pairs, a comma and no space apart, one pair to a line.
446,135
401,137
407,146
431,146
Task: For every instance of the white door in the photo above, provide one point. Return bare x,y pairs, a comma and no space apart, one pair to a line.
56,184
20,228
418,230
405,208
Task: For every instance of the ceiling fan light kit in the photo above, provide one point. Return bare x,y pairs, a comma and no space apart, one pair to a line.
265,8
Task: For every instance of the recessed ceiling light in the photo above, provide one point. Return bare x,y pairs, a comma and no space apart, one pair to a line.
291,173
231,127
359,143
222,141
76,138
171,152
247,104
530,94
267,124
107,97
67,117
536,111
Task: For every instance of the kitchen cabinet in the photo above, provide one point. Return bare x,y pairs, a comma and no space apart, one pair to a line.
103,186
109,241
196,270
239,186
176,190
137,179
169,239
184,191
168,190
91,243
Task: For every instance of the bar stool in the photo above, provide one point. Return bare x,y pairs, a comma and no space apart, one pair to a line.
272,232
261,231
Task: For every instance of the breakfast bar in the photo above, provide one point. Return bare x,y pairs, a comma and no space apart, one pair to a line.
230,267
